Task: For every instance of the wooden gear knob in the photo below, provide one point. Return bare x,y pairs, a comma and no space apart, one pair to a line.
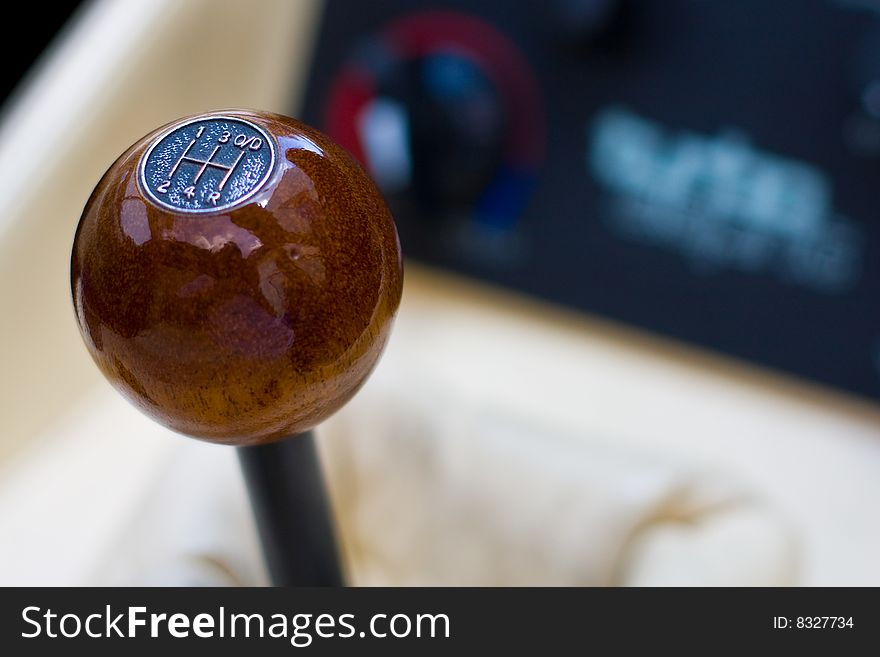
235,275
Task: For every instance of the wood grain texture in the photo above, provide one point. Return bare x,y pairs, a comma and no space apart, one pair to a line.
247,325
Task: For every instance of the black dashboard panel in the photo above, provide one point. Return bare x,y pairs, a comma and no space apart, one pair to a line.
709,171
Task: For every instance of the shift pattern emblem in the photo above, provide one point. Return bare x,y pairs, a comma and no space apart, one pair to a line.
209,164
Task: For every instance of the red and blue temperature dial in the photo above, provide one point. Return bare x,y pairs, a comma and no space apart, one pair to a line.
444,112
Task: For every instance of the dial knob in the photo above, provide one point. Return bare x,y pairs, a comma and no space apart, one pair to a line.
444,112
235,275
453,123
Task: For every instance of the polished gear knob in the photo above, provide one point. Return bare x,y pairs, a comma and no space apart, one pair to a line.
235,276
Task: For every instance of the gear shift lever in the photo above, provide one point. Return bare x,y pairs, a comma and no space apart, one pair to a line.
235,276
